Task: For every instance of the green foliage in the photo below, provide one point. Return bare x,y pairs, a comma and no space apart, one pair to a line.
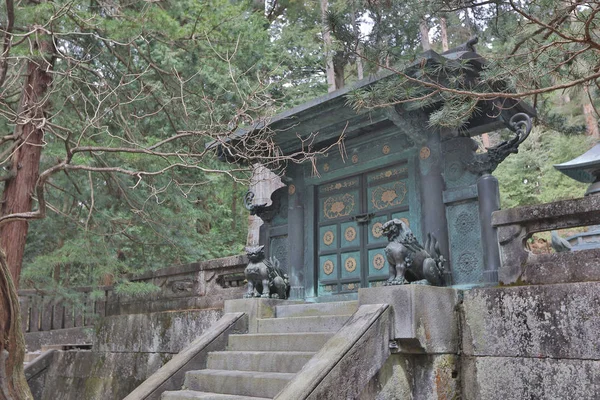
135,74
529,176
131,77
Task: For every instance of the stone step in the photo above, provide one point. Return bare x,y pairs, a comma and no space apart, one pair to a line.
243,383
309,341
262,361
192,395
30,356
321,323
315,309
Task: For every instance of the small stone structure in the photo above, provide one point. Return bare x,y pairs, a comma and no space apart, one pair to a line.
325,225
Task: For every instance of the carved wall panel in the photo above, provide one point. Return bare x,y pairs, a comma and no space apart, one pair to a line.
466,252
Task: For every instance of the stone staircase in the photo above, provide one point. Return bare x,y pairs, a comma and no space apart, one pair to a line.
257,366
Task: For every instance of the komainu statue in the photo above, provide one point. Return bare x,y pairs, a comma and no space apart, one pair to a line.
409,261
265,277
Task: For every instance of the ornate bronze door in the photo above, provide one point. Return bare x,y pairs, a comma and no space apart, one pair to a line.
350,214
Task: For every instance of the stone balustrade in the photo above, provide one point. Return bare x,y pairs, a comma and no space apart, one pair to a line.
49,317
516,225
45,310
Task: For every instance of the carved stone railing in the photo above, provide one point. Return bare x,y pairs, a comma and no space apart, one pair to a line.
191,286
45,310
200,285
516,225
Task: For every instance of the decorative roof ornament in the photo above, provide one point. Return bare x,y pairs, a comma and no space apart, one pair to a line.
486,163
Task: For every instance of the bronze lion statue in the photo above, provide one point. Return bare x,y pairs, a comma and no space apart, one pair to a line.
409,261
265,278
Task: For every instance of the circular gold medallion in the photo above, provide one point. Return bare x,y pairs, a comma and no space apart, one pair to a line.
350,233
328,267
378,261
377,230
338,186
354,158
350,264
351,286
385,149
326,167
424,153
292,189
328,238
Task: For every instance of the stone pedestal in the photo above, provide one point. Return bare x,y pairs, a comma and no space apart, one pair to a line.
256,308
425,319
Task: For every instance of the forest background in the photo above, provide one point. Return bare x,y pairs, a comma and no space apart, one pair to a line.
106,107
132,74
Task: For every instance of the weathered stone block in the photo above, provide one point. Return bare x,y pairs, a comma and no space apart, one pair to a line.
559,321
425,319
416,377
35,340
98,376
167,332
509,378
256,308
348,361
194,357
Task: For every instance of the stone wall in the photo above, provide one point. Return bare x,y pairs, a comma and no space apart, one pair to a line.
49,319
199,285
498,343
134,336
127,350
531,342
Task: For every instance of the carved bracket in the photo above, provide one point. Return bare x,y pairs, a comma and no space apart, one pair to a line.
266,213
521,125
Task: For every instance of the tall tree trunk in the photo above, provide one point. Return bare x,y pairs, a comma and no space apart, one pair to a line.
339,71
13,385
444,33
468,23
359,52
591,122
234,201
328,51
424,28
360,71
16,198
17,194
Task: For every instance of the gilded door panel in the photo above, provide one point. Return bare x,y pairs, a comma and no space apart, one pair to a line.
351,287
328,238
378,264
338,206
349,235
328,289
386,174
375,232
351,253
387,195
328,268
339,186
350,265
